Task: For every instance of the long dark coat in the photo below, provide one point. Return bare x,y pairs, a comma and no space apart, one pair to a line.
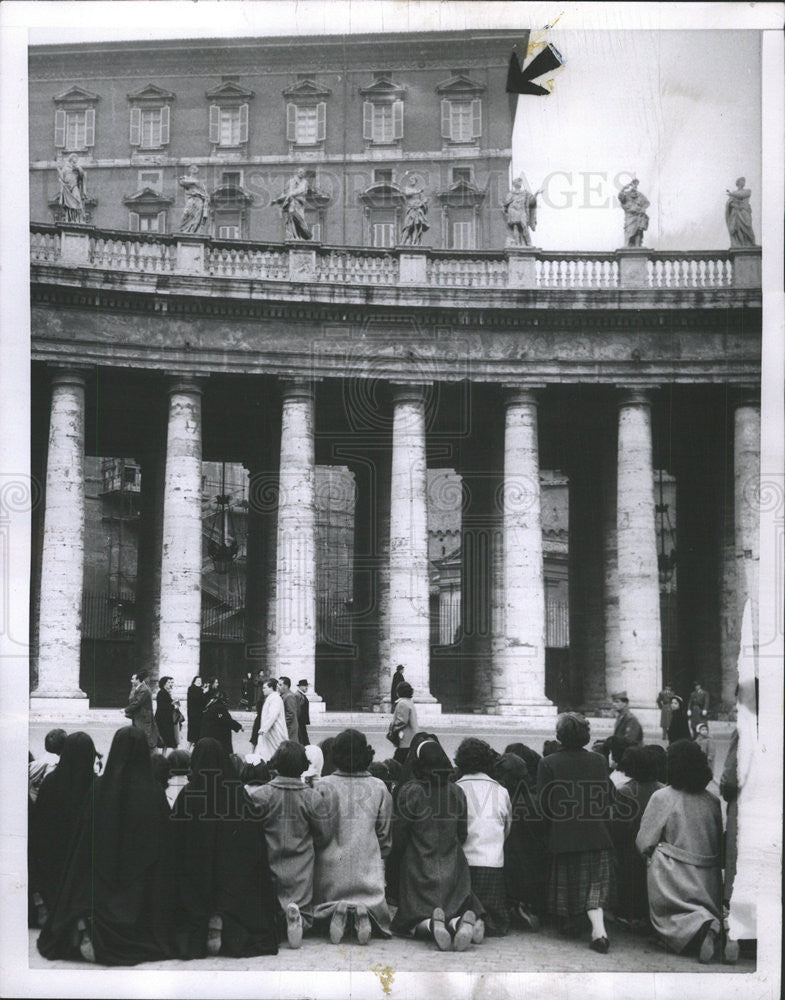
195,705
525,849
218,724
140,712
428,863
164,718
632,896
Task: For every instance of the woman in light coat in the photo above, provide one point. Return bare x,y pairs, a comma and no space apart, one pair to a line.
272,727
404,720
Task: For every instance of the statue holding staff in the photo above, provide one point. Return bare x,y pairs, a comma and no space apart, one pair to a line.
738,215
415,215
197,203
71,195
292,203
636,221
520,214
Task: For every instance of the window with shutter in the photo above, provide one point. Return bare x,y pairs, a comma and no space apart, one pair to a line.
476,118
162,222
291,122
89,115
133,222
368,120
165,125
136,127
243,135
215,124
398,120
446,127
59,128
321,121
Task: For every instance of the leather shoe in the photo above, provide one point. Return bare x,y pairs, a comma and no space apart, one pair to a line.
600,944
362,924
338,923
464,932
440,933
294,926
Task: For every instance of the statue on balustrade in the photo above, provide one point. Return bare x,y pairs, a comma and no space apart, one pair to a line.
636,221
72,190
292,203
415,219
520,214
197,203
738,216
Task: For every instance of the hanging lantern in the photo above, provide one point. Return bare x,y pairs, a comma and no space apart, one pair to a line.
222,545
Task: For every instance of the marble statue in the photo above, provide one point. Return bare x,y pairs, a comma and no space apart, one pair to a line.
197,203
636,221
520,214
292,203
71,195
415,215
738,216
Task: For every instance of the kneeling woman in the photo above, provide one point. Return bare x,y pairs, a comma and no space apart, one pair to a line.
225,897
428,864
681,834
114,902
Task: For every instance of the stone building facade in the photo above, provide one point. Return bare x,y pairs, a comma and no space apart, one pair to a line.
624,370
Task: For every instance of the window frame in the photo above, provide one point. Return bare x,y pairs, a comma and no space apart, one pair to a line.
63,116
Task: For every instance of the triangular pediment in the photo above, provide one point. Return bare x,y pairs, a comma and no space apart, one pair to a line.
304,89
459,86
229,91
462,192
76,95
147,197
382,86
151,93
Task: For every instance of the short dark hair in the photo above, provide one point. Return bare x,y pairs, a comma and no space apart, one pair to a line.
54,740
162,681
142,675
351,751
638,764
475,756
271,682
404,690
549,747
289,760
572,730
687,767
179,762
285,680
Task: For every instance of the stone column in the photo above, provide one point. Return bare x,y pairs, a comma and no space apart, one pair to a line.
746,476
181,562
260,562
613,672
148,581
640,637
60,627
296,546
410,642
522,686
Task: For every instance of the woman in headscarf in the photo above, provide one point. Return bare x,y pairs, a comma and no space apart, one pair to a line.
433,885
225,899
525,849
115,900
679,728
681,835
326,746
164,713
575,797
57,812
217,723
195,703
349,870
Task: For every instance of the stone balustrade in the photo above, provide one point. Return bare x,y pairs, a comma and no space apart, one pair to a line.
524,268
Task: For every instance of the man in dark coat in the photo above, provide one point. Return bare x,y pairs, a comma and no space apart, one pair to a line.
627,727
289,707
397,679
140,708
303,712
697,707
218,724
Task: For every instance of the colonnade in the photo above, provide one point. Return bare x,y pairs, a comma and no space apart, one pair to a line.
281,598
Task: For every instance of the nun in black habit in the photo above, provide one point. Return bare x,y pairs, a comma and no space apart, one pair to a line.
56,814
114,903
226,901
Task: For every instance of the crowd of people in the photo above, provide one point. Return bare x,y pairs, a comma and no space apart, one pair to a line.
190,853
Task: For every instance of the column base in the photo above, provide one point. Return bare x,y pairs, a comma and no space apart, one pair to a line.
316,709
542,712
61,705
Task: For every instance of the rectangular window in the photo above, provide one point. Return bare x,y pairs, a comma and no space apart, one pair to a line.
463,236
306,127
384,234
74,130
231,178
150,223
151,179
230,127
382,128
461,120
461,174
383,176
228,232
151,129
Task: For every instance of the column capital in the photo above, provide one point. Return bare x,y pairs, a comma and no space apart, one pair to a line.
639,395
186,383
297,388
70,374
746,395
523,395
413,392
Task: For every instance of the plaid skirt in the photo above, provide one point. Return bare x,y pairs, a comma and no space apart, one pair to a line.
489,887
581,881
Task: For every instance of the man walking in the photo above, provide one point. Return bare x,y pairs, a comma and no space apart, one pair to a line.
289,707
303,712
140,709
697,707
627,728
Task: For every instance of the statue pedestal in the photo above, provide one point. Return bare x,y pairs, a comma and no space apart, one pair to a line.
191,258
75,244
411,268
633,272
302,261
746,264
522,269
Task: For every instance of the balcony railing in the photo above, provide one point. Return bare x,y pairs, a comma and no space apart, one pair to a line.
526,268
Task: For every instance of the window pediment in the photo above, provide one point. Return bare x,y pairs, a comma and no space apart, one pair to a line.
383,89
306,90
147,198
382,195
229,93
459,86
460,194
76,97
152,95
229,195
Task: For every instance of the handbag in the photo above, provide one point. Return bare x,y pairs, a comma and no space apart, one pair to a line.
393,733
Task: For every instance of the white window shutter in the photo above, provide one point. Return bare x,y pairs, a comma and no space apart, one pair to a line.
133,222
136,127
446,127
89,127
291,122
321,121
243,123
367,119
477,118
215,124
59,128
162,222
398,120
165,125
